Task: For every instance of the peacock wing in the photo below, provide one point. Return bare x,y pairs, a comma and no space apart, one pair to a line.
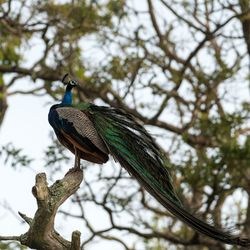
77,128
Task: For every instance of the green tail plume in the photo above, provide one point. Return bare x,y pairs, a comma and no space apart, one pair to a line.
134,148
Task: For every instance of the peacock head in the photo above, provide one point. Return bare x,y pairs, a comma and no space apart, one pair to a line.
67,99
70,83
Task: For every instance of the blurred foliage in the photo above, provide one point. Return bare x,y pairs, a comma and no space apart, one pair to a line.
12,246
14,156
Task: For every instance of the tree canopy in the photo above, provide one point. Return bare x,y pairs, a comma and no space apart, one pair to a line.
180,67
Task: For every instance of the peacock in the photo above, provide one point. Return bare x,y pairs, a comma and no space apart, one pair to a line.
94,132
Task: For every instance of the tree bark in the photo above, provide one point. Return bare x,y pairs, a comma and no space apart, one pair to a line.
41,234
245,20
3,101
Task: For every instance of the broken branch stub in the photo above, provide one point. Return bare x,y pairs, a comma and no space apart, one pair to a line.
41,234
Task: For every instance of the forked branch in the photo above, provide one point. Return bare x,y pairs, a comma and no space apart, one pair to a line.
41,234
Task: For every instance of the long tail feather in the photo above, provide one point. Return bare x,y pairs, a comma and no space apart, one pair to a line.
137,152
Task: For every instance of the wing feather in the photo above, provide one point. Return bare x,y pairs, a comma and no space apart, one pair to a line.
74,130
78,121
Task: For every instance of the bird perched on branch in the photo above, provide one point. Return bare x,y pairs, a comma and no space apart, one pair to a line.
93,132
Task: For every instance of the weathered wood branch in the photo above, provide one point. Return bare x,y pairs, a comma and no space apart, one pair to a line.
41,234
3,102
245,21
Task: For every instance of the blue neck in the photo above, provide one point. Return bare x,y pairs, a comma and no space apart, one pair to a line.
67,99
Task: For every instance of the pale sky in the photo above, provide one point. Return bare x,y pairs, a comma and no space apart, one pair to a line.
26,126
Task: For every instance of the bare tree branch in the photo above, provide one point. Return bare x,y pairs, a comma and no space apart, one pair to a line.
41,234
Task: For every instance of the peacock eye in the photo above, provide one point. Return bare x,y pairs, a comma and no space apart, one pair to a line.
73,82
